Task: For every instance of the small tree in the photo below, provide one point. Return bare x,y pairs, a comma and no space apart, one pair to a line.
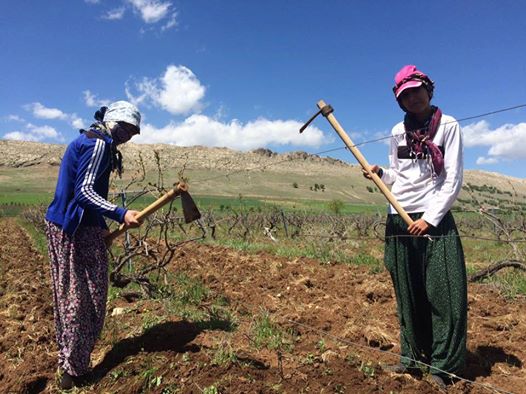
336,206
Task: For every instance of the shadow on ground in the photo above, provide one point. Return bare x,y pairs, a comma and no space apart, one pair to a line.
480,362
169,336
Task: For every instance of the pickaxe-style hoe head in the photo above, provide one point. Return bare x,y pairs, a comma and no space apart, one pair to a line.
190,210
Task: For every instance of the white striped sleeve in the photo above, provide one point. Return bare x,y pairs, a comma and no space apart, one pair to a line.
87,189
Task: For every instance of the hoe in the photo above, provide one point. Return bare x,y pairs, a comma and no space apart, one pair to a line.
190,211
326,110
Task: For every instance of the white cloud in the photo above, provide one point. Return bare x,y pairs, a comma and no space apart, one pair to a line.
14,118
172,22
151,11
35,133
486,160
42,112
115,14
203,130
19,136
91,100
43,131
77,122
178,91
504,142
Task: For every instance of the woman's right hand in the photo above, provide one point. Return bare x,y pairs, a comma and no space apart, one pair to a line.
374,168
130,219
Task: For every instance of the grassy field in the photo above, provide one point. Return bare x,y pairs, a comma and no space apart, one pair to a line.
16,197
330,252
481,248
263,191
25,198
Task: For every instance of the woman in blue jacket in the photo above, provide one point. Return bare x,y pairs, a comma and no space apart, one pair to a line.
76,229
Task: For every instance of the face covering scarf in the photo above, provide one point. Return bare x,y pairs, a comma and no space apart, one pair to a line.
420,139
120,135
98,128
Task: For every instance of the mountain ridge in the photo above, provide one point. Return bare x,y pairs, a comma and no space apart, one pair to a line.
227,172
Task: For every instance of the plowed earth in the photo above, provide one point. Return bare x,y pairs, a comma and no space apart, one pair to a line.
343,319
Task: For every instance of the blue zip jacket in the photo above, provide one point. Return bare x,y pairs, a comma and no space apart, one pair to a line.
82,186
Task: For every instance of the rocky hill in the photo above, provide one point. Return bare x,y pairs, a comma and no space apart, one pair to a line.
259,173
17,154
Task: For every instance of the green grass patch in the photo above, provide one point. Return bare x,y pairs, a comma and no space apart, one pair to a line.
326,253
221,204
24,198
184,295
116,292
38,238
375,265
190,290
224,355
471,269
17,196
484,250
512,283
267,334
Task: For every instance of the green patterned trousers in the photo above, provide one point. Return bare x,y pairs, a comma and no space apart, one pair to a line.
429,279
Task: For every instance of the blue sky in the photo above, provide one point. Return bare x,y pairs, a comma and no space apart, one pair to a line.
246,74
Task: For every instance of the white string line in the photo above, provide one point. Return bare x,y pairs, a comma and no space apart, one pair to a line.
415,236
486,386
420,363
427,236
357,345
452,121
355,145
382,237
347,342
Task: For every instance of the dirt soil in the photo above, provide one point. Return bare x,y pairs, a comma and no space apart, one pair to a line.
343,319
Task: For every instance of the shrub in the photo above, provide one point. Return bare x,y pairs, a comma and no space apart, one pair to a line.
336,206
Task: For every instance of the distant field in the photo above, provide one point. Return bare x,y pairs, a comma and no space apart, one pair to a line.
261,190
12,200
319,184
220,178
25,198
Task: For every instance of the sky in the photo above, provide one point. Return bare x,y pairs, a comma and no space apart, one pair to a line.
246,74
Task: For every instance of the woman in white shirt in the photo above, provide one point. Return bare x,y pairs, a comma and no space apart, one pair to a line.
429,277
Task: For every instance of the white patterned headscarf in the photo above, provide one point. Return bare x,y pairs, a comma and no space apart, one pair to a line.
123,111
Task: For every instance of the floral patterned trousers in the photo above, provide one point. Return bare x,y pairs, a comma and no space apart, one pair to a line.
79,273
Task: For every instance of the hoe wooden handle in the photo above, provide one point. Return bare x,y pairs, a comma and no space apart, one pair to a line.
154,206
365,165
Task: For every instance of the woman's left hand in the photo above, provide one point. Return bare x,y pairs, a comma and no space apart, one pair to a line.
419,227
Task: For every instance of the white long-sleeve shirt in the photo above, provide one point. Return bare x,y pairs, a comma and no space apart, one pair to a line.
412,182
